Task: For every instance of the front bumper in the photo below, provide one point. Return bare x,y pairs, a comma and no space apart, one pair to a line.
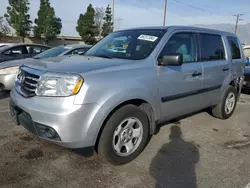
76,126
7,80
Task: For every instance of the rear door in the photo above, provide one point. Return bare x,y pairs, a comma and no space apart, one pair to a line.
215,66
236,58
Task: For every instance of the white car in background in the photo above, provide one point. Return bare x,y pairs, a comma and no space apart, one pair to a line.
246,50
6,44
8,69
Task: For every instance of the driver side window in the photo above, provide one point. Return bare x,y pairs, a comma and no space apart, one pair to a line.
184,44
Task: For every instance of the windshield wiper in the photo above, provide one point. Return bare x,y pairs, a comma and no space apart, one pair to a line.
36,57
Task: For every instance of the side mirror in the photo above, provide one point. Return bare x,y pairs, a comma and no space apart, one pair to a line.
173,60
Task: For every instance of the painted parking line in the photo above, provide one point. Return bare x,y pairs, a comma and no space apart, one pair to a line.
248,185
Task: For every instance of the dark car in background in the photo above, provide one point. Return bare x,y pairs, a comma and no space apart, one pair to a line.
20,51
246,83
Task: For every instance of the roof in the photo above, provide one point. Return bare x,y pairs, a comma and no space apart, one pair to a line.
182,27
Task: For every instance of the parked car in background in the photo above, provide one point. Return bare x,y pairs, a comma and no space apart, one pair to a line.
246,83
113,101
8,69
246,50
20,51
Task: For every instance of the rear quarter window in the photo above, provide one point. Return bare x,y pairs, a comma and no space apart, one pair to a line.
211,47
235,48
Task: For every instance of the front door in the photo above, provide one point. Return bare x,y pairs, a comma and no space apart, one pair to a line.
179,86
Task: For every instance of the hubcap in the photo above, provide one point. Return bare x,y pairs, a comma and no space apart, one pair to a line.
230,102
127,136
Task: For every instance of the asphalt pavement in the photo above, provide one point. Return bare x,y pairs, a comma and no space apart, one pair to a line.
198,151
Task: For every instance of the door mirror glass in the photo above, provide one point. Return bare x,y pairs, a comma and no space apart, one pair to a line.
173,59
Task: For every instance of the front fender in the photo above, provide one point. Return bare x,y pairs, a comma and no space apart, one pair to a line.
118,98
107,106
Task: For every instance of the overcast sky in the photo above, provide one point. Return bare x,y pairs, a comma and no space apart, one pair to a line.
132,13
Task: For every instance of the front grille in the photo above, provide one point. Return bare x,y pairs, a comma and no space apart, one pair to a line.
27,81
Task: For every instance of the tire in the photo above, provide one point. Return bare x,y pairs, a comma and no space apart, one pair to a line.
117,129
219,111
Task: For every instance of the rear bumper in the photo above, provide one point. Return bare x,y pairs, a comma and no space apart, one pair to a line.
76,126
7,81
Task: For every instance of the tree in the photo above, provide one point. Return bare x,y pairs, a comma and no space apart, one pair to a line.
4,28
108,24
86,26
99,15
47,24
18,18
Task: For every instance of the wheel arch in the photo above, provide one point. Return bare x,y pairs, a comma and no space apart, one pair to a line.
142,104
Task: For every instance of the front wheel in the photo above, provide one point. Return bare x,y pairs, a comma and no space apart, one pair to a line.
225,109
124,136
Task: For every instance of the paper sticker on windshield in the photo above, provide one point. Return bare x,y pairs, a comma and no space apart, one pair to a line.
148,38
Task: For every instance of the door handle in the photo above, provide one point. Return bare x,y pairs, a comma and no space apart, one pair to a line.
196,74
225,69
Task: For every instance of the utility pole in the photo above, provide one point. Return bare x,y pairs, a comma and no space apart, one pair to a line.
237,21
165,10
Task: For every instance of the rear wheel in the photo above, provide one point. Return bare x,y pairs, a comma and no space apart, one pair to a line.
226,107
124,135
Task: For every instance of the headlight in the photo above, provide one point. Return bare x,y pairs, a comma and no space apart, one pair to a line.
60,85
9,70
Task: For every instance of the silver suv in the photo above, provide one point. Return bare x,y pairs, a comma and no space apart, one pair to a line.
114,100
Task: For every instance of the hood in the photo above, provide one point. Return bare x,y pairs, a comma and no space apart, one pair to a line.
77,64
17,62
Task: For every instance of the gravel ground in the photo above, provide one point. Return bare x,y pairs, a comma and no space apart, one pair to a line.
211,153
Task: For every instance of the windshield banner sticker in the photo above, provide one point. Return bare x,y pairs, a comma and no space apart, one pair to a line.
147,37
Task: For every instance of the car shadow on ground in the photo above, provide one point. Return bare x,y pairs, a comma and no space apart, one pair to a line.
4,94
174,165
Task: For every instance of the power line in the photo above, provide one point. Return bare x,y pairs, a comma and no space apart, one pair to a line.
199,8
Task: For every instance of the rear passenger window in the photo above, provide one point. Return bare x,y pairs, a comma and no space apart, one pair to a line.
212,47
235,49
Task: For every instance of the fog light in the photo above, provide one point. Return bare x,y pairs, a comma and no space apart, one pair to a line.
50,133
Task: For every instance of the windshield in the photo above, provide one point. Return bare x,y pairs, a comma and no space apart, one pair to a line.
130,44
247,52
53,52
